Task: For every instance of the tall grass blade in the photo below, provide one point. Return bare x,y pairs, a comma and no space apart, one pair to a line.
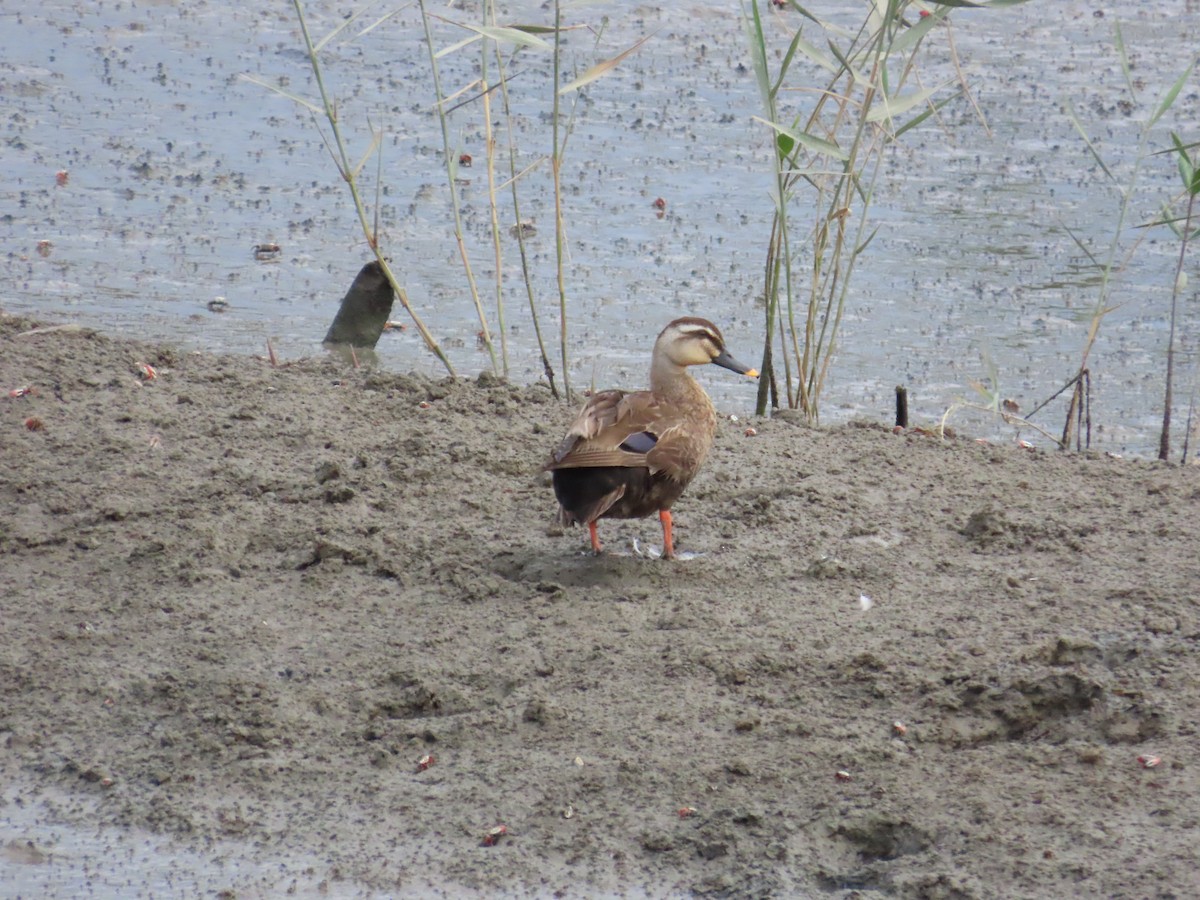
539,29
1123,57
1186,171
1081,245
1087,141
910,37
863,246
812,54
807,14
311,107
521,37
470,86
811,141
1177,148
786,63
887,108
600,69
454,48
858,77
1169,98
917,120
758,54
381,20
481,94
346,23
376,140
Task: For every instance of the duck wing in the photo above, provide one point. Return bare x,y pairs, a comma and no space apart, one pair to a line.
628,430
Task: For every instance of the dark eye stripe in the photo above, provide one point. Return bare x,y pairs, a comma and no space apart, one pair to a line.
702,334
696,328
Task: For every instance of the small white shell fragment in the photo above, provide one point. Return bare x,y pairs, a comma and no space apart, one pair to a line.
865,602
653,551
648,552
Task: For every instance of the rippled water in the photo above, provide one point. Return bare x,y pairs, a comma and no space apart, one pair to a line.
178,166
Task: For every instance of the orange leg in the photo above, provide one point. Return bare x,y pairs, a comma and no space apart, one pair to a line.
595,538
664,516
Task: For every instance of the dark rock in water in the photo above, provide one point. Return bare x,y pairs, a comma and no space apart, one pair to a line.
364,310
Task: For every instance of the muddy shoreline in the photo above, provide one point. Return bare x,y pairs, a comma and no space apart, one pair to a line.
242,603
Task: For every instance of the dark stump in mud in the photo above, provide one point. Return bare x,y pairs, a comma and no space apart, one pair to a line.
364,311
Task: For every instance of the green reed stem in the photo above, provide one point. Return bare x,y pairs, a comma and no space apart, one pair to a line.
1164,440
451,171
559,226
526,277
489,17
349,175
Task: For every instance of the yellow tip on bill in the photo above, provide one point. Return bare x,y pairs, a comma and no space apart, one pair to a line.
753,373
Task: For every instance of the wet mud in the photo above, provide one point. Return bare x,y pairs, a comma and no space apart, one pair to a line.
319,620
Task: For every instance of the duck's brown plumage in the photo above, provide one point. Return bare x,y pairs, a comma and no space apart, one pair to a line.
631,454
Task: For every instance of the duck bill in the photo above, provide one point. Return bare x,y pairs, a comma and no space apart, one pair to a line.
726,361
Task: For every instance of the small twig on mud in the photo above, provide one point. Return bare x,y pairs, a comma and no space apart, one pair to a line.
1009,419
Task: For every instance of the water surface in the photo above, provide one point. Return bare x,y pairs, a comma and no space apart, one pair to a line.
177,167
